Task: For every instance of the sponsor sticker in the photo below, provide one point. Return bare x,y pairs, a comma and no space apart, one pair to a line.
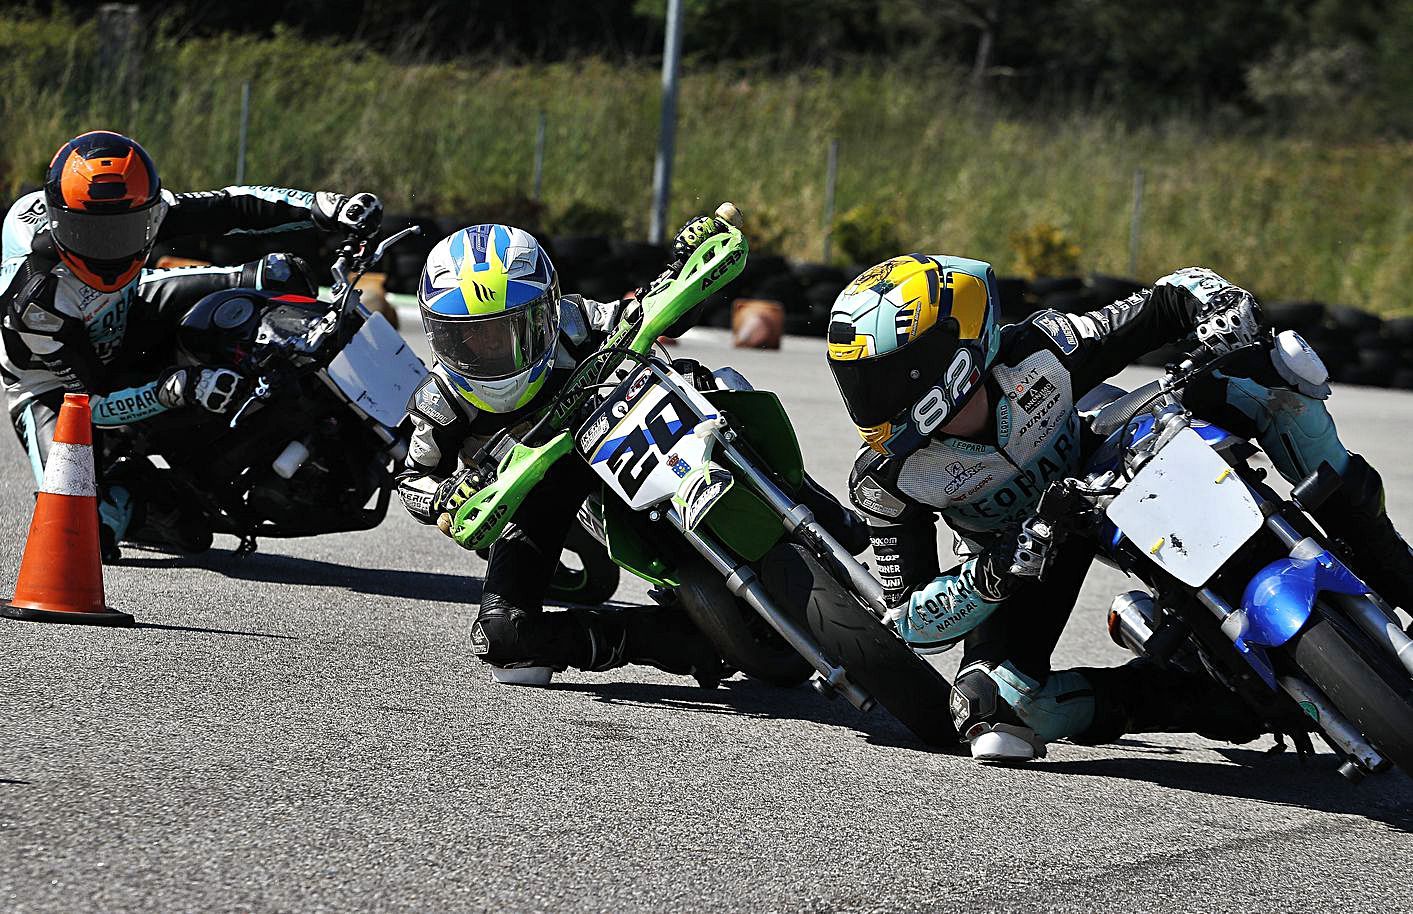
592,434
430,403
1060,330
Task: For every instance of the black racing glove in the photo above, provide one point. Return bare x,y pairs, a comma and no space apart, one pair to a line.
212,389
360,215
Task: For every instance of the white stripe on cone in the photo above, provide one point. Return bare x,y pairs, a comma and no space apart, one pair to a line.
70,471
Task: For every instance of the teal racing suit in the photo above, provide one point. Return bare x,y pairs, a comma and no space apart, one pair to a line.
985,488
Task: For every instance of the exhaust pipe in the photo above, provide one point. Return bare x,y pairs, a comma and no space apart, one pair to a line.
1132,620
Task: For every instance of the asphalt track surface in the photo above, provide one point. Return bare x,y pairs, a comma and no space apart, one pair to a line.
306,730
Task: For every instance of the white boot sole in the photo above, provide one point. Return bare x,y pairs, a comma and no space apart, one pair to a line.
997,748
524,675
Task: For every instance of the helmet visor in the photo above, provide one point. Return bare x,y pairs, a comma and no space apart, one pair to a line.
879,388
106,236
493,346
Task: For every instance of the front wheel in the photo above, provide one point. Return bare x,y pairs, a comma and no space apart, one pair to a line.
745,641
872,656
1375,697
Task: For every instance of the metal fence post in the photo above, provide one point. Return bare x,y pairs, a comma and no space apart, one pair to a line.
1135,225
831,178
667,137
539,157
244,130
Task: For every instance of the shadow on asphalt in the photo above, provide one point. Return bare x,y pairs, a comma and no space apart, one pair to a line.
212,631
1282,779
747,698
285,569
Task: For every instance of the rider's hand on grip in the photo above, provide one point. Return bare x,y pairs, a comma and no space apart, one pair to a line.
452,494
213,389
360,215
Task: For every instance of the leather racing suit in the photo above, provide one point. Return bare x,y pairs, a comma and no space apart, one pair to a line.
513,633
59,335
984,488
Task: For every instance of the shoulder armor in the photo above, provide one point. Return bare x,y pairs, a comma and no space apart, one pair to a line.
873,486
574,319
435,403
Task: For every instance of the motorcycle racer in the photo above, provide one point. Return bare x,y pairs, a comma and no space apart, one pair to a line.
505,339
968,420
80,314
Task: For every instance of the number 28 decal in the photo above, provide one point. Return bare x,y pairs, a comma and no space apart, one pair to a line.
936,405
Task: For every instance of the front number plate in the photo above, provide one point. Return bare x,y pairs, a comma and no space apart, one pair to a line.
1187,509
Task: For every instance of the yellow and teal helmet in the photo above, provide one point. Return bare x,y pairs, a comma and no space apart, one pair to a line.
489,297
910,341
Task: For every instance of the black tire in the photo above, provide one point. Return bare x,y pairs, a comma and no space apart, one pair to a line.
742,638
1376,697
874,658
596,581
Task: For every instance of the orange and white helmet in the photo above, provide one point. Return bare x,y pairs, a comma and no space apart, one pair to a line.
103,199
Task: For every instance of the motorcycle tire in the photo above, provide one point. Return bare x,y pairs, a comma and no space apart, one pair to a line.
849,633
742,638
1374,694
595,581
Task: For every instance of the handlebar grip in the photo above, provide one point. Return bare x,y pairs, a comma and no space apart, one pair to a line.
730,214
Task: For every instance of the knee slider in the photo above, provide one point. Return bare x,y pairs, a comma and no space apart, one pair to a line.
281,273
497,636
977,703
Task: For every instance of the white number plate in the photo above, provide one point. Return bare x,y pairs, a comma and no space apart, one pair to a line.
378,371
1187,509
640,441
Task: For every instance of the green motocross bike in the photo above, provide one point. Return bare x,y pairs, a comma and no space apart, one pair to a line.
701,493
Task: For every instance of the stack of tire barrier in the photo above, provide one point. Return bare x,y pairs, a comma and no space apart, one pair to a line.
1358,347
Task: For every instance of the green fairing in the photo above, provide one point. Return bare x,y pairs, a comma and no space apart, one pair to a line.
631,545
481,518
742,520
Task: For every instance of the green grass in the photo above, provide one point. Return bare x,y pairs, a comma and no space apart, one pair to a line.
1286,216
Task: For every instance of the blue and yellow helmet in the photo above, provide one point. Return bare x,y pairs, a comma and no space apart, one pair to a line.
489,297
910,341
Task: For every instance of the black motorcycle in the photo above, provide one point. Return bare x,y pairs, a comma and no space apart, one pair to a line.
312,448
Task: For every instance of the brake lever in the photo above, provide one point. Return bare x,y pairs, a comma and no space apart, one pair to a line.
261,391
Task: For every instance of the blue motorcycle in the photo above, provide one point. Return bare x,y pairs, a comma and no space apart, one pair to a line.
1240,582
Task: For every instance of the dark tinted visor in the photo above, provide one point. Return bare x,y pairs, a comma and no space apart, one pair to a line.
877,389
490,347
106,236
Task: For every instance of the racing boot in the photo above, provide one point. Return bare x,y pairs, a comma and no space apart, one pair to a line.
1008,716
1354,514
527,647
1140,697
653,636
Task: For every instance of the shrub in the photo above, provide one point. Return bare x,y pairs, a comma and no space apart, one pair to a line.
583,218
1044,250
865,235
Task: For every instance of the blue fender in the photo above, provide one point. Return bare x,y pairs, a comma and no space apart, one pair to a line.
1280,598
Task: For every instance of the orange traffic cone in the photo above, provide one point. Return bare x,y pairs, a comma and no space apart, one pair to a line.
61,575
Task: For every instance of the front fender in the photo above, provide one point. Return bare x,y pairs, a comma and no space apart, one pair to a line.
1280,598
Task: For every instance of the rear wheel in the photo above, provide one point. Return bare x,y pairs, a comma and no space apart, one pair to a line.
1373,694
745,641
874,658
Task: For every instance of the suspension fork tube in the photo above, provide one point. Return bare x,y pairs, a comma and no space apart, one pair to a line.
800,520
743,582
1337,731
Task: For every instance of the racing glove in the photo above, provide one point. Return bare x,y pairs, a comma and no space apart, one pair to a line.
451,494
360,215
1227,316
213,389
